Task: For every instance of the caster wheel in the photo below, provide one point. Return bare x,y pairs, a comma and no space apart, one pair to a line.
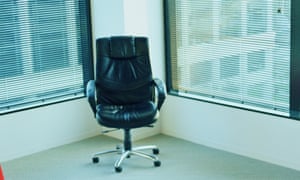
95,160
118,169
157,163
118,147
155,151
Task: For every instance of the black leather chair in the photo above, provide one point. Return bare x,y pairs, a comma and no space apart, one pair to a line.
124,95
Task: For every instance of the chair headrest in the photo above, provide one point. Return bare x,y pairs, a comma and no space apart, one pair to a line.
122,46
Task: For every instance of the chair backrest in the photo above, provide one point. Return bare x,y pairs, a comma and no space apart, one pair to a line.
123,70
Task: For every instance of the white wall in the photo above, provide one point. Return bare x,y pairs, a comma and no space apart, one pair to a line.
34,130
108,17
260,136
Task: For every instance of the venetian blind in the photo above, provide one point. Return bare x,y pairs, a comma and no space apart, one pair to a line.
44,50
235,51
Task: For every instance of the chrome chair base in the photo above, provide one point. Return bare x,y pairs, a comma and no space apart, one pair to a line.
127,153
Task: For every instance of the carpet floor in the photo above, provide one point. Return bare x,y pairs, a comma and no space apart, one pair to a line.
181,160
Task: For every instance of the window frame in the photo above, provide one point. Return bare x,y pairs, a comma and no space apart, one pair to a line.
295,61
83,62
294,112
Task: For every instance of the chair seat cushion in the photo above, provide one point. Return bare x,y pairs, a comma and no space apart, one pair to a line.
126,116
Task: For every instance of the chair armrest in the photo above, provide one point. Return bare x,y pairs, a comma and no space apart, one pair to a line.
161,91
90,93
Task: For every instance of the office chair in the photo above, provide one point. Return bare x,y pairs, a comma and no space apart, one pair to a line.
124,95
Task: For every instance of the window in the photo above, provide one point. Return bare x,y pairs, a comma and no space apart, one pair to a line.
45,52
234,52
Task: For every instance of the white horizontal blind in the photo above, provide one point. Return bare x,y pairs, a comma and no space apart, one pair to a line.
40,52
232,50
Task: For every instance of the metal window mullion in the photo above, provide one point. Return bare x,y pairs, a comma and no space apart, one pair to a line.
295,61
269,64
216,84
71,40
25,37
243,56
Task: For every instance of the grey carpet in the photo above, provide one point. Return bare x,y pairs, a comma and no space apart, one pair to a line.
181,160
